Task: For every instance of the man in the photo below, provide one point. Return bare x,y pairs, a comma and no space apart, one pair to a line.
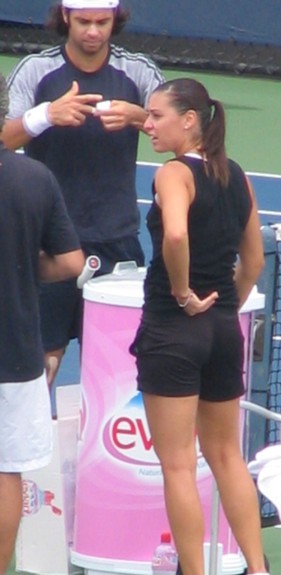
37,239
91,151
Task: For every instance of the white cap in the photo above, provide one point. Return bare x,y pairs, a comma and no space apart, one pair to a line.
79,4
103,105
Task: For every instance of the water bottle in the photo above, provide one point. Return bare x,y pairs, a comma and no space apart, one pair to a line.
34,498
165,559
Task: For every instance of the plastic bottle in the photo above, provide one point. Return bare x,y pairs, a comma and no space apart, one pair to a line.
34,498
165,559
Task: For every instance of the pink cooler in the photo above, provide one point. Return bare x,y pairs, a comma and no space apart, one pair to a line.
119,508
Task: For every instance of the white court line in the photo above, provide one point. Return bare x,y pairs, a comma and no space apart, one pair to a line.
269,213
263,175
262,212
275,176
149,163
144,201
156,165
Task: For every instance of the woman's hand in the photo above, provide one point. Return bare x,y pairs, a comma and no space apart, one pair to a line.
196,305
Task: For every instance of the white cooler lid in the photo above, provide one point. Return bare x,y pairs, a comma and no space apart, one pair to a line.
255,301
123,287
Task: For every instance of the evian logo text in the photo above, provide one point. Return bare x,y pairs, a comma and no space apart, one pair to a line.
126,435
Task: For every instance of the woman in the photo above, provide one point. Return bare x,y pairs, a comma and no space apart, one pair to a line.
189,346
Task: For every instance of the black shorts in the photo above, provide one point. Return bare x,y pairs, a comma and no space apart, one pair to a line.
61,303
178,355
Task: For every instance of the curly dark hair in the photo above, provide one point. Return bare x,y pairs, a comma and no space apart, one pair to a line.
57,23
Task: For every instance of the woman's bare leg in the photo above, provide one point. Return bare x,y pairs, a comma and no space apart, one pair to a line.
10,516
172,427
219,434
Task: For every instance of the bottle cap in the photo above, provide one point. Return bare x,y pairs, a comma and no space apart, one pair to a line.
166,537
48,497
103,105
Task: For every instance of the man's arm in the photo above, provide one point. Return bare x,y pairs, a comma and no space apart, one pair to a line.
14,135
70,109
60,267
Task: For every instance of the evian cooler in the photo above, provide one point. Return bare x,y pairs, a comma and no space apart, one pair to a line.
119,508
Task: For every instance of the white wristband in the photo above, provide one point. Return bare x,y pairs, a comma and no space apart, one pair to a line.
36,120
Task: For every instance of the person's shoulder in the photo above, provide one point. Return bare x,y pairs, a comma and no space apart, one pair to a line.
22,170
29,166
122,54
38,61
174,168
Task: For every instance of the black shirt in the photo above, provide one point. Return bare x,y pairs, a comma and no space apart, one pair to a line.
32,217
216,220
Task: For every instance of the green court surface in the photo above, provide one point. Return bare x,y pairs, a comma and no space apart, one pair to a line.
253,117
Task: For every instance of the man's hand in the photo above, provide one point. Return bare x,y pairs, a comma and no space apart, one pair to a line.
72,108
121,114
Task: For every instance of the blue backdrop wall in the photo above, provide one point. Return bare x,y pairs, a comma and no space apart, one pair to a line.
256,21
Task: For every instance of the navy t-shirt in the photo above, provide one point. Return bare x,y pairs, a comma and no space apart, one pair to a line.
95,168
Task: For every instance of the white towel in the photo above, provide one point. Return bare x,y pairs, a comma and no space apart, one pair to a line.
267,468
269,483
262,457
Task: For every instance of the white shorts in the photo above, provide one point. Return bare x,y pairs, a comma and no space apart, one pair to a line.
26,440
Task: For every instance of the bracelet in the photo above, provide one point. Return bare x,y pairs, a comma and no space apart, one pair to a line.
186,301
36,120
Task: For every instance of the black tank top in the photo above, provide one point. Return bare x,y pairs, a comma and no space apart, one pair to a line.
216,220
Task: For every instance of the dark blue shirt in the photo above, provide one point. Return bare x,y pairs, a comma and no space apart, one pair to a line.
33,216
95,168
